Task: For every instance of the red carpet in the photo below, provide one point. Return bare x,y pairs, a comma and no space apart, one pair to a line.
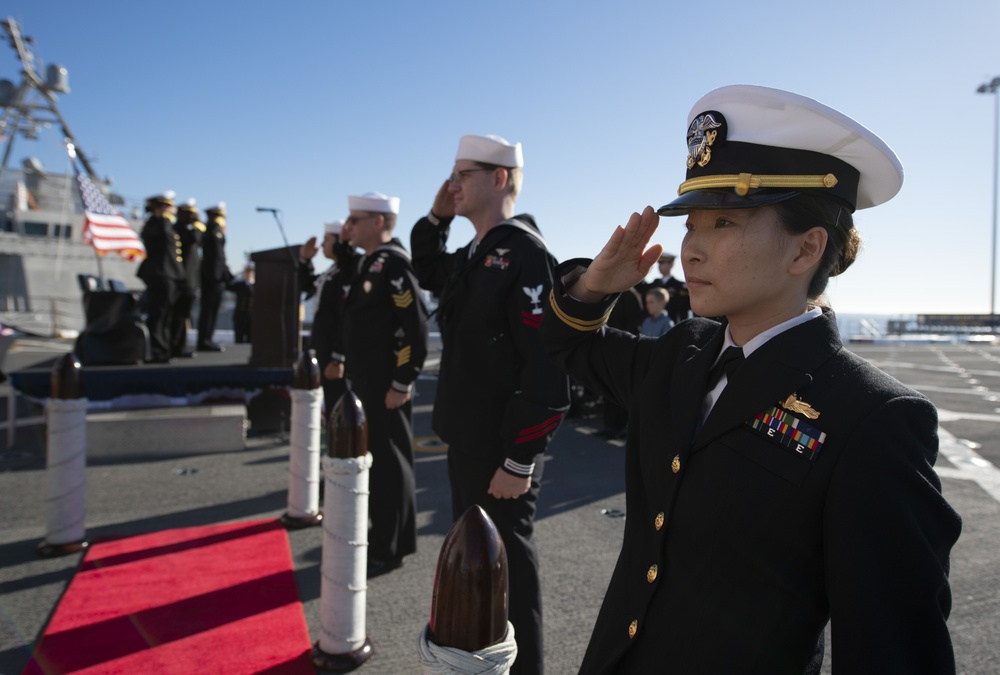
217,599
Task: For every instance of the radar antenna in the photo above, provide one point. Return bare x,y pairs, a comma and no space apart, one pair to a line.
31,106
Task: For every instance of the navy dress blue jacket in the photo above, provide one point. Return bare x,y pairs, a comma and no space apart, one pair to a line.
745,535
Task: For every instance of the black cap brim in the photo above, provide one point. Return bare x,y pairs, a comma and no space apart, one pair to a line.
722,199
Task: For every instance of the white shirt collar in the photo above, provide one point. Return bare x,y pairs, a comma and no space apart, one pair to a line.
749,348
752,345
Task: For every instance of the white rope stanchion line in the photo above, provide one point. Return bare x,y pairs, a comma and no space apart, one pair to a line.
339,583
303,465
493,660
346,488
66,470
343,572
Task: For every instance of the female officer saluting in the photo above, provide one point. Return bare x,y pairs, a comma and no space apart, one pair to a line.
775,481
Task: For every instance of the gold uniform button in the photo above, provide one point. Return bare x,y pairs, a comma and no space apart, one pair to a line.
658,521
632,628
676,464
179,259
651,573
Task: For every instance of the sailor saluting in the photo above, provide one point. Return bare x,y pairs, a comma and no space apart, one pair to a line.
775,481
499,400
381,349
330,288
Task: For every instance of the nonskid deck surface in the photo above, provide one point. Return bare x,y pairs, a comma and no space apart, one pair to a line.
578,529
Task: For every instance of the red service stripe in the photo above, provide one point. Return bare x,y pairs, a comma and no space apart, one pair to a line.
552,420
537,434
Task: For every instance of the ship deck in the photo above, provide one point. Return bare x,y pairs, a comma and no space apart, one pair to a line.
578,529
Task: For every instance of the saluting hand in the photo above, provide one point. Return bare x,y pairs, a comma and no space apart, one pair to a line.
309,249
508,486
444,202
623,262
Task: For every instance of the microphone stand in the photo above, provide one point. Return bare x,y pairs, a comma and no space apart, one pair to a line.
281,228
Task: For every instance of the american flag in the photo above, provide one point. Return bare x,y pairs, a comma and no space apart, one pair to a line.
103,227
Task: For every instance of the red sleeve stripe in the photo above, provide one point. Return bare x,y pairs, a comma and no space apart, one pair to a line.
539,430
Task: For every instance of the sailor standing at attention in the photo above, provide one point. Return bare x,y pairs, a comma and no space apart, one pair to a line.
190,231
215,275
775,482
499,399
162,271
242,288
382,347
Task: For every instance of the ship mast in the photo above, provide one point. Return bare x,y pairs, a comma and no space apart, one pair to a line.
31,106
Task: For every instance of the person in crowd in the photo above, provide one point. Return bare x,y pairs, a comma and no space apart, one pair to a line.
679,305
330,290
242,288
215,275
382,348
190,230
775,481
499,399
657,321
162,271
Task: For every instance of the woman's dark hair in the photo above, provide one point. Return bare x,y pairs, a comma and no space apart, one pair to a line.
806,211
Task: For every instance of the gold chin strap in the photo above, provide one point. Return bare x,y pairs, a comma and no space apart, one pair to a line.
744,182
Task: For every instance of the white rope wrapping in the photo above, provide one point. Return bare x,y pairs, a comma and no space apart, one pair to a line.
303,456
343,571
493,660
66,430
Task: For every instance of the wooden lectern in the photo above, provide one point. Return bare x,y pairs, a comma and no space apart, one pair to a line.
276,320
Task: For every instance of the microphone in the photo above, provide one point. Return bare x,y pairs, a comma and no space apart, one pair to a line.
262,208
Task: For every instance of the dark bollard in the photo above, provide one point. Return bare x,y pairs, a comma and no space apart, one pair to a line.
469,605
66,461
304,440
306,372
343,644
348,428
66,381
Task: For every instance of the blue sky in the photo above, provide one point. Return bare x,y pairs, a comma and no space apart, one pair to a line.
296,105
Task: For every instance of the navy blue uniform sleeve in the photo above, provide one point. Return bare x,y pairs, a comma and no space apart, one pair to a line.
307,278
576,336
535,412
411,317
888,532
429,246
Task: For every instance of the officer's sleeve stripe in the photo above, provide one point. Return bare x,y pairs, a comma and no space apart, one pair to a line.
578,324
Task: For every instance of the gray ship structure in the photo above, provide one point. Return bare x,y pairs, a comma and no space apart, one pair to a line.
42,251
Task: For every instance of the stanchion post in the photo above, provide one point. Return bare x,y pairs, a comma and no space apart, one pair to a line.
469,604
343,644
304,440
66,461
468,630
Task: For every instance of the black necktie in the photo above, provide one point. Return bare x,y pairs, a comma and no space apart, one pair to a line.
727,363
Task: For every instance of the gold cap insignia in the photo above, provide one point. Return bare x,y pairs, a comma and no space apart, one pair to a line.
796,405
700,138
676,464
